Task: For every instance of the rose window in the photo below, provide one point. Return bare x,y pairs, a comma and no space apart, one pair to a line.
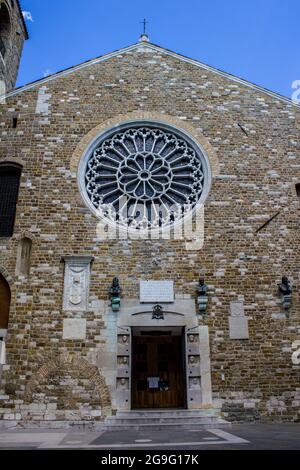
144,176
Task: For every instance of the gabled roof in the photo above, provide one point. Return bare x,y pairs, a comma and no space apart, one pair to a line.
156,48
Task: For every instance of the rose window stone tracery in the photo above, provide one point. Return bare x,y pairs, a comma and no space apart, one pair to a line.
144,176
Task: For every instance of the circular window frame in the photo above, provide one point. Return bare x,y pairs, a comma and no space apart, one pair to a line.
183,134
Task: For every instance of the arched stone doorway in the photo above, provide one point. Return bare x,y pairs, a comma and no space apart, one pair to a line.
5,297
64,377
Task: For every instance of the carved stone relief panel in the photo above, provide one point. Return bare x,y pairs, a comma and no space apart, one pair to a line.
194,397
76,283
237,308
123,379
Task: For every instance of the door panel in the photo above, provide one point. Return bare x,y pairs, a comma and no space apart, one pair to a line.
159,357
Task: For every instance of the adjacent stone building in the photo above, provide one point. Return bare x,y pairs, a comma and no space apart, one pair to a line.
13,33
165,132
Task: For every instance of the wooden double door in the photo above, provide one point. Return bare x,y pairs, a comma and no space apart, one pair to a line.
158,375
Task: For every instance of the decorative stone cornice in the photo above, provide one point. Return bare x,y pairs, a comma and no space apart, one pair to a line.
75,259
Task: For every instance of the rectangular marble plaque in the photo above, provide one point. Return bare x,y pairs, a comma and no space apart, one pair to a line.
3,333
238,328
237,308
156,291
74,328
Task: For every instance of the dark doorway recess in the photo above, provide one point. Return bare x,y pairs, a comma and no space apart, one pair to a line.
4,303
158,372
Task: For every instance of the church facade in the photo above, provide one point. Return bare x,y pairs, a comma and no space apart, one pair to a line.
149,242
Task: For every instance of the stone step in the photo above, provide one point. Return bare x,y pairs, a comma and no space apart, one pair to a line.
176,413
218,423
166,420
162,420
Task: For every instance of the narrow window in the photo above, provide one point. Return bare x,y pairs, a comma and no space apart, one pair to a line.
298,190
4,303
9,188
23,257
15,122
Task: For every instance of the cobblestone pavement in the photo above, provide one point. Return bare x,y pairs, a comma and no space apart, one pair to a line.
244,436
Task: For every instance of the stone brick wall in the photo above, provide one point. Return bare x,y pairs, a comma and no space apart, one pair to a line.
252,378
9,65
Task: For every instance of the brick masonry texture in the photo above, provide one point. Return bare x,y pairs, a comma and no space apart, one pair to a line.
256,177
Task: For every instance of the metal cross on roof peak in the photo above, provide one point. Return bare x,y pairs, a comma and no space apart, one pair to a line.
144,23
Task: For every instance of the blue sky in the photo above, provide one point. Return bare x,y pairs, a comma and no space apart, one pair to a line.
257,40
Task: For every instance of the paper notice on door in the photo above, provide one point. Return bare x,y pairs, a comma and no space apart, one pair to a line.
153,382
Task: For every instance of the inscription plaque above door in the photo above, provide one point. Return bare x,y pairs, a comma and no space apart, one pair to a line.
156,291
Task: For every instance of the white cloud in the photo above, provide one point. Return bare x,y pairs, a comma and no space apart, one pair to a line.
27,15
48,72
